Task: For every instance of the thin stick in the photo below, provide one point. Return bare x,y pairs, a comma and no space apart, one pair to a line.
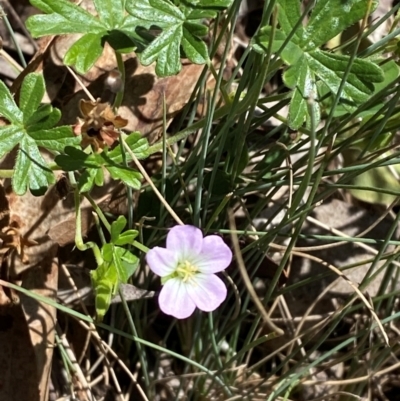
247,281
150,182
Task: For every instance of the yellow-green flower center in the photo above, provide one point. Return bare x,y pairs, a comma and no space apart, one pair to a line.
185,270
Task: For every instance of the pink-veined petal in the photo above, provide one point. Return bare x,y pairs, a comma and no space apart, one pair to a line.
214,257
208,292
185,241
161,261
174,299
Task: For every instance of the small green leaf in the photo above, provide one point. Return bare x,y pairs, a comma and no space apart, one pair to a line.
126,263
289,16
331,17
8,107
165,50
63,17
44,117
302,80
290,53
10,136
117,227
86,180
77,159
138,145
32,92
30,169
126,237
331,67
119,264
130,177
85,52
111,12
55,138
194,48
105,283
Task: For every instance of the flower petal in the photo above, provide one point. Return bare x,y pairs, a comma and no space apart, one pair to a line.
161,261
174,299
208,292
185,241
214,257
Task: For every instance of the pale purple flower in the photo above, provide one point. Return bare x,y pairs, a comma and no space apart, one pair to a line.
186,267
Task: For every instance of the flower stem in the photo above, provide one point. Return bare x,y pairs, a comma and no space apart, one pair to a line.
78,233
120,94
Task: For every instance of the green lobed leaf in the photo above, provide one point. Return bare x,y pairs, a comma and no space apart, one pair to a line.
30,169
63,17
194,48
126,263
165,49
126,237
181,26
331,17
85,52
331,67
111,12
136,143
10,136
127,175
301,78
87,180
43,118
161,13
77,159
290,53
55,138
117,227
105,283
31,95
288,16
8,107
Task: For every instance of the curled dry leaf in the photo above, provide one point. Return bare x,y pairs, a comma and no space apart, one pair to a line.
99,124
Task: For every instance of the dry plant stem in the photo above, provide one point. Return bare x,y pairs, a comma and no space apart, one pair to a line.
150,182
21,25
356,379
247,281
107,348
78,371
342,234
352,285
81,84
11,61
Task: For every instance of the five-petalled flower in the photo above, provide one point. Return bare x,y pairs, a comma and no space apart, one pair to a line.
186,267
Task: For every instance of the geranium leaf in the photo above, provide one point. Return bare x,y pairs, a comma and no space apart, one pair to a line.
62,17
130,177
32,92
85,52
181,26
30,169
126,263
111,12
32,128
116,228
138,145
330,18
126,237
55,138
8,107
311,68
